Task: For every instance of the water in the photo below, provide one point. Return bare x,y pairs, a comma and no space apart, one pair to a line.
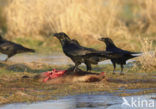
52,59
101,100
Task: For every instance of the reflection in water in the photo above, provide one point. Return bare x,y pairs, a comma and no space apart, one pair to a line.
100,101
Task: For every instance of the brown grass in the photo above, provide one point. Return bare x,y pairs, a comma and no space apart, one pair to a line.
147,12
148,59
71,16
87,19
79,16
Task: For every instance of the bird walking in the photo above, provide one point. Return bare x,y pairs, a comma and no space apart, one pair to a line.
80,54
10,48
124,55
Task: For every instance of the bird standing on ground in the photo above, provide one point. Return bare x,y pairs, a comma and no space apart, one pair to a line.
10,48
125,55
80,54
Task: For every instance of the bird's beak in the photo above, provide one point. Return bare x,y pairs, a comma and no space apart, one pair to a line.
100,39
54,34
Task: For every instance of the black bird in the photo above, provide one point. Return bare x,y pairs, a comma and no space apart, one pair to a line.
80,54
75,41
125,55
92,58
10,48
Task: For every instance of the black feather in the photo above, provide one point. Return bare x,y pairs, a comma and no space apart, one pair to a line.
124,54
80,54
10,48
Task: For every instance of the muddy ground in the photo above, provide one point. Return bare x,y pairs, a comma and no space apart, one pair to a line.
14,88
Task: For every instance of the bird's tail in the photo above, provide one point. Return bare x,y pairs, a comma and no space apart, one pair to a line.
105,54
28,50
136,54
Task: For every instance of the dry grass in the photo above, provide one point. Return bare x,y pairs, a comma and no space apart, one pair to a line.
148,9
148,60
80,17
3,27
87,19
71,16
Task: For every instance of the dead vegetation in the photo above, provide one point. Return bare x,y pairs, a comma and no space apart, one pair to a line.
148,59
76,17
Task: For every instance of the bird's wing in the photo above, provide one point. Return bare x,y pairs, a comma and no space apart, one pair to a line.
104,54
6,46
73,49
118,50
128,54
125,54
77,50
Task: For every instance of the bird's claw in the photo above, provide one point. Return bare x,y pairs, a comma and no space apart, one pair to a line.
75,70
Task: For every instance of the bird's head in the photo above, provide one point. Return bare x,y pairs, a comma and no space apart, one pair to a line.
61,36
106,40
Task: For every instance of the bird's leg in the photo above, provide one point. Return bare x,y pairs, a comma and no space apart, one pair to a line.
121,73
114,65
89,67
75,67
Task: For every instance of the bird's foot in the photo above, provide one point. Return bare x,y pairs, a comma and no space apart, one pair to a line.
76,70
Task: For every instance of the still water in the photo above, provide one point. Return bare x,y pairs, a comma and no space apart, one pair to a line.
100,100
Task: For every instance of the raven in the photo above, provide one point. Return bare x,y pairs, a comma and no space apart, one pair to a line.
10,48
125,55
80,54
